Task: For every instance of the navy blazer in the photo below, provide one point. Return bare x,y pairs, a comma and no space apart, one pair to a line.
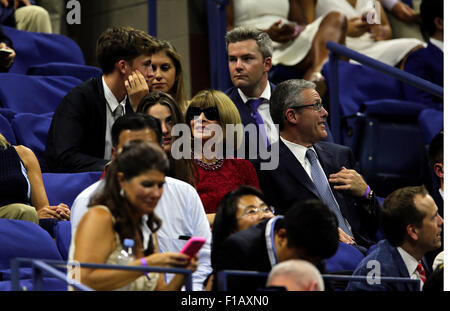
246,118
247,250
289,183
427,63
391,265
76,138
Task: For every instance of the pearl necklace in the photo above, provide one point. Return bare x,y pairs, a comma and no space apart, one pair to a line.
210,167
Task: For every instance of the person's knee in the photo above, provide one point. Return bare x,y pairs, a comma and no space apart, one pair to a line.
22,212
337,20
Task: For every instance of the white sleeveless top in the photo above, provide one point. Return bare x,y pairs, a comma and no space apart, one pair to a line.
145,282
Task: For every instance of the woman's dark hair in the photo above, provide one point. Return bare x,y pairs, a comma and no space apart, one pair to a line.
225,221
182,169
136,157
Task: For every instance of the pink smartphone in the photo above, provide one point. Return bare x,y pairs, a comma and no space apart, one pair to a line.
193,246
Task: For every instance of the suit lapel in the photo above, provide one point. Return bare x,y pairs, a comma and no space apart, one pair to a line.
295,169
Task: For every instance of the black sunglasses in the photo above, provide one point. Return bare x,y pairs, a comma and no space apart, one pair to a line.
211,113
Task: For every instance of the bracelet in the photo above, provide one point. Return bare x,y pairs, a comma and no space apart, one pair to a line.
365,194
143,261
144,264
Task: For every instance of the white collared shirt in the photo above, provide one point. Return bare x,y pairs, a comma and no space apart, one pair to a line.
411,265
112,105
438,43
264,111
299,152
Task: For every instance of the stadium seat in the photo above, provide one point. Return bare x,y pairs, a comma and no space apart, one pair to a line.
346,258
64,188
431,122
390,150
20,238
82,72
31,130
63,236
34,94
7,131
33,48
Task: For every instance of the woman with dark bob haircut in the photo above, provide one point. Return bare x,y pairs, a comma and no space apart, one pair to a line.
238,210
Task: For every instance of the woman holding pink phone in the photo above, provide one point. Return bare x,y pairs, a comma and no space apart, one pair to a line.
133,186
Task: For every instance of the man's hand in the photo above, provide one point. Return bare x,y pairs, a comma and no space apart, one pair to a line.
349,181
345,238
404,13
136,87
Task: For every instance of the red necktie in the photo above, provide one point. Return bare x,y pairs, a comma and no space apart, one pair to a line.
421,271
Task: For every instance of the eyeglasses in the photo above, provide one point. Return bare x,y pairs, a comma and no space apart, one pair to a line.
317,106
255,210
211,113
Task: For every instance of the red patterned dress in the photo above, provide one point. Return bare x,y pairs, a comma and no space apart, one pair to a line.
222,177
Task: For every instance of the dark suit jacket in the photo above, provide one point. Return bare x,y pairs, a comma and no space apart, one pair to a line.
427,63
391,265
76,139
246,250
246,118
289,183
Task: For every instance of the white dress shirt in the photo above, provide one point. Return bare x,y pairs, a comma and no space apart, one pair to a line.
264,111
411,265
438,43
182,214
112,105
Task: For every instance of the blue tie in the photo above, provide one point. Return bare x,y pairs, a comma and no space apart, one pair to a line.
322,186
254,104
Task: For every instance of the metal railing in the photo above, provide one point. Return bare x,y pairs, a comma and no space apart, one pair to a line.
336,50
41,267
222,281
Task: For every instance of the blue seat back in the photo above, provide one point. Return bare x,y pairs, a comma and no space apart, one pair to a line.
431,122
81,72
63,236
34,94
346,258
33,48
20,238
31,130
64,188
7,131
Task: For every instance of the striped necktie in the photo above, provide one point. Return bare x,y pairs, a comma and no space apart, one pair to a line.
322,186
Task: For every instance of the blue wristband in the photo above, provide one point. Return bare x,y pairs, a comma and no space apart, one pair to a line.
367,192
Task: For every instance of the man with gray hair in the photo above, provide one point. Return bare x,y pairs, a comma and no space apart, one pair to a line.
249,61
310,168
296,275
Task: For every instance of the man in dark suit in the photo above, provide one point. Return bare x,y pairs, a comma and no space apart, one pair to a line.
79,138
308,231
428,63
328,175
412,227
249,61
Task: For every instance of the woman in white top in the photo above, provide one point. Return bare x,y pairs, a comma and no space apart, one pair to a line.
133,186
368,35
299,39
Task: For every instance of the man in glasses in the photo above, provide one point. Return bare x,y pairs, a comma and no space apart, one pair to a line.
79,138
310,168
